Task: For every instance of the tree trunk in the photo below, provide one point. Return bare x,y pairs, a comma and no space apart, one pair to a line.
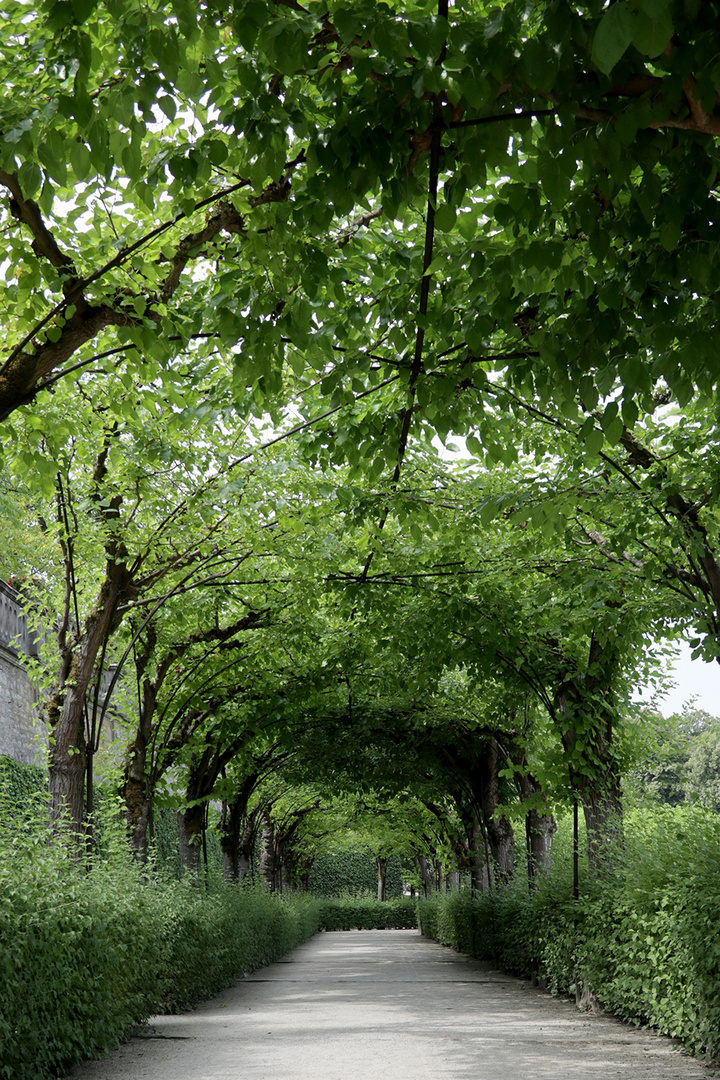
499,831
135,791
138,816
452,881
586,706
68,762
287,875
236,838
191,824
540,828
426,874
304,867
66,706
479,869
381,878
267,854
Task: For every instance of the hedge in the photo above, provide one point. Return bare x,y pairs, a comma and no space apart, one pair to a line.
86,955
646,941
353,873
363,913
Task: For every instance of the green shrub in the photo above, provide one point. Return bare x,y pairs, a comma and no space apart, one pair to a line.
85,955
209,941
645,941
364,913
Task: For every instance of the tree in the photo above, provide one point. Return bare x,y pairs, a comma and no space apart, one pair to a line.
325,216
251,137
703,768
528,608
146,511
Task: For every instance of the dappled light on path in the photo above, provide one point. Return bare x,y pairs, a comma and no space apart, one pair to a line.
369,1005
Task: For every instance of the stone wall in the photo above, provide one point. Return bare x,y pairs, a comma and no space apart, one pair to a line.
22,735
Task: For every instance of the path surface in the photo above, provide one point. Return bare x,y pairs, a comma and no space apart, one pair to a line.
382,1004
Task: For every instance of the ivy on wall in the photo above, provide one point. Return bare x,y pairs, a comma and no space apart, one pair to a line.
353,873
19,782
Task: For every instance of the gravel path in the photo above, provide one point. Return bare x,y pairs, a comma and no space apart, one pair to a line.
382,1004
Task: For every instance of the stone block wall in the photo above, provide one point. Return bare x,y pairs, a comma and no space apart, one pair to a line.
22,736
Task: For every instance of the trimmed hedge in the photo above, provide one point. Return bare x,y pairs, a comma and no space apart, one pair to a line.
353,873
367,914
85,956
645,942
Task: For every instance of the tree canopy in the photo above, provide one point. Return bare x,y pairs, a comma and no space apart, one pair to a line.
261,261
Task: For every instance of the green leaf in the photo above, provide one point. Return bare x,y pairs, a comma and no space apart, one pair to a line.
445,217
594,441
554,180
670,235
52,154
82,9
613,36
80,160
654,27
168,106
30,178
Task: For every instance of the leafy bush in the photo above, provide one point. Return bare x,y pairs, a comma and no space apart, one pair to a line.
364,913
85,955
20,782
353,873
645,941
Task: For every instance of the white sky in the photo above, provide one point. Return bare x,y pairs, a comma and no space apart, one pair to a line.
694,679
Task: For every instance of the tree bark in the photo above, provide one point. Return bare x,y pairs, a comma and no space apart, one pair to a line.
540,827
479,870
267,854
137,794
190,825
66,707
586,705
486,785
452,881
237,832
381,878
427,875
287,874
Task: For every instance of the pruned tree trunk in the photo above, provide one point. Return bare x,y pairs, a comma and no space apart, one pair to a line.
191,823
427,876
65,708
236,837
499,831
136,792
138,816
540,827
267,854
381,878
585,704
479,869
287,874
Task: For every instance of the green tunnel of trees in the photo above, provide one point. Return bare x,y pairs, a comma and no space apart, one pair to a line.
359,403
